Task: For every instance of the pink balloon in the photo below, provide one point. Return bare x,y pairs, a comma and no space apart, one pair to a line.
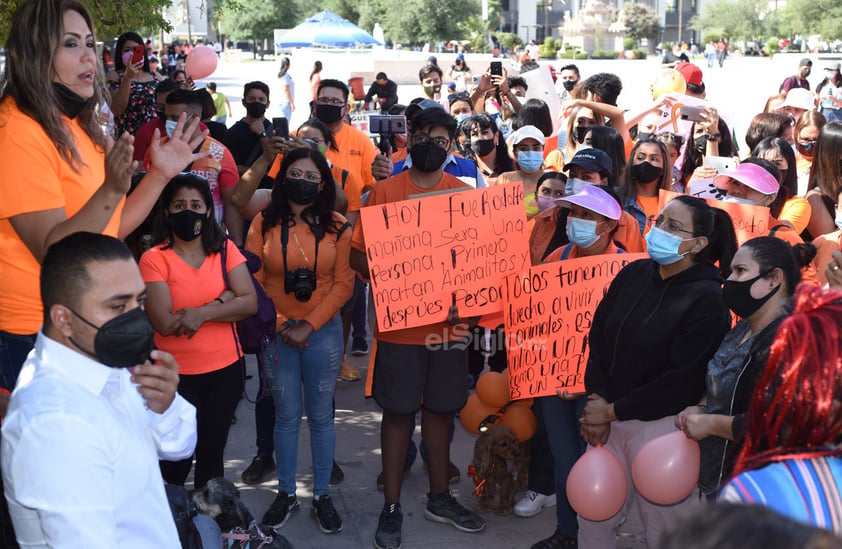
596,486
666,469
201,62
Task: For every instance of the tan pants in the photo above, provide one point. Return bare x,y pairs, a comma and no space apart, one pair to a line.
650,520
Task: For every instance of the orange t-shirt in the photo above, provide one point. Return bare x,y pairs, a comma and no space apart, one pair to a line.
394,189
334,276
356,153
825,245
34,177
351,184
555,161
399,155
213,346
649,205
797,211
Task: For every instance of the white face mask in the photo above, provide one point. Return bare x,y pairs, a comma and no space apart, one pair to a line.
170,126
736,200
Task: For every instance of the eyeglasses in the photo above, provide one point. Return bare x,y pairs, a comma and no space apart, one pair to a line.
336,102
311,177
423,138
671,226
807,142
461,95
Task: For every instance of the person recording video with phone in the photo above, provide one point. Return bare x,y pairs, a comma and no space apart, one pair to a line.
102,403
305,246
133,97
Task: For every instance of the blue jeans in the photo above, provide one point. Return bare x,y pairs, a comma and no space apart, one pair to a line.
14,349
359,321
316,366
561,418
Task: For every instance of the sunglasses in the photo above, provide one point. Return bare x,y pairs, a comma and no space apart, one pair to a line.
458,96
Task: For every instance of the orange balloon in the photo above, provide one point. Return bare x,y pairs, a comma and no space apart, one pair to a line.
473,413
669,81
597,485
493,389
521,420
525,402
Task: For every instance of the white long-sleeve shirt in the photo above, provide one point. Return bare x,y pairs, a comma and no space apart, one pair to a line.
80,455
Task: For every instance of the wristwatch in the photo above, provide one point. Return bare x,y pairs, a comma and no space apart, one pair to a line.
265,133
713,136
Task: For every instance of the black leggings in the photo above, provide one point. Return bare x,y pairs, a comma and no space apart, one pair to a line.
215,396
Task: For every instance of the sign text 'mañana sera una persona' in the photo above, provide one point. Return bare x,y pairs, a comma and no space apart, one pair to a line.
443,249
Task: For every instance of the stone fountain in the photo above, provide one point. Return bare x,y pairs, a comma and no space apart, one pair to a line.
593,30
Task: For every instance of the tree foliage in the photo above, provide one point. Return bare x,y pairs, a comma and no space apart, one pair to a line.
733,19
257,19
822,17
641,22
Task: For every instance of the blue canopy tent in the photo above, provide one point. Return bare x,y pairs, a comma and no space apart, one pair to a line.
326,29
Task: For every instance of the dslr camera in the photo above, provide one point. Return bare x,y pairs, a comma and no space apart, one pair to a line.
301,282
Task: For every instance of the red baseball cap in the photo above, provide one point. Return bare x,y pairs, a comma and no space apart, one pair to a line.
691,73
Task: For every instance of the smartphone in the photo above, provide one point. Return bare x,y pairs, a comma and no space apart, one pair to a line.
137,54
723,164
281,127
496,68
692,113
386,124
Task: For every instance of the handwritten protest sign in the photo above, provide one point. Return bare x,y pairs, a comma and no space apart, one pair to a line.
548,312
453,248
749,221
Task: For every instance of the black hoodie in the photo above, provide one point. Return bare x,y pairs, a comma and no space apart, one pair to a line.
652,338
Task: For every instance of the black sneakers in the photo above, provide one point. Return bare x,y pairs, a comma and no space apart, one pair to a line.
445,509
326,516
259,468
281,509
388,535
557,541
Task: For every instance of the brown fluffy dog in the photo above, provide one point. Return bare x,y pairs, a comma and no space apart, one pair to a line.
500,469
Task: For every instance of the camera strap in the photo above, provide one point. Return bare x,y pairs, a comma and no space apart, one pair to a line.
318,232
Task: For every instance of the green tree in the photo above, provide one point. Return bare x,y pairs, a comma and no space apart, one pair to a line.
733,18
427,21
257,19
822,17
642,22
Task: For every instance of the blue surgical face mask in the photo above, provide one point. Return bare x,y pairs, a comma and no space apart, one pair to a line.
461,117
574,185
530,161
663,246
170,125
582,232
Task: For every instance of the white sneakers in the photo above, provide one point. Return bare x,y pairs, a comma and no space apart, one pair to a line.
532,503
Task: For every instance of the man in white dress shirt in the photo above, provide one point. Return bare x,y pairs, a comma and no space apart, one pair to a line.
94,410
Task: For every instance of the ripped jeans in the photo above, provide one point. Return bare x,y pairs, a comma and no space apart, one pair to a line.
315,367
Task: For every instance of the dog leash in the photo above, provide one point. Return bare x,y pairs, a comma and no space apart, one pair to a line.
480,483
244,537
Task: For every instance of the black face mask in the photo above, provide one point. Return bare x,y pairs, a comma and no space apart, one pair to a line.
700,144
187,224
580,133
123,341
255,109
329,114
805,73
482,147
643,136
426,157
737,296
70,103
301,191
806,148
646,172
568,84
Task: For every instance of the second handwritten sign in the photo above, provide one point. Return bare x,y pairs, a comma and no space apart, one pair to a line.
429,253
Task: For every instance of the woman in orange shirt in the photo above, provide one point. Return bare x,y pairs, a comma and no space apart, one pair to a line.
59,173
648,170
305,248
192,309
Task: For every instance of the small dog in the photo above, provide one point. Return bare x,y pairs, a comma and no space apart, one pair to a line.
499,469
220,500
